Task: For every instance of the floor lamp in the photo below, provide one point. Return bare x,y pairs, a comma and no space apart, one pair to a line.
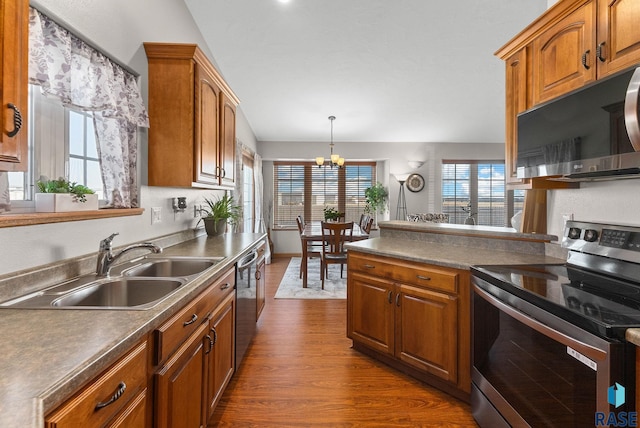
401,210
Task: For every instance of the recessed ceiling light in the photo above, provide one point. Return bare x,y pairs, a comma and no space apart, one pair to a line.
284,1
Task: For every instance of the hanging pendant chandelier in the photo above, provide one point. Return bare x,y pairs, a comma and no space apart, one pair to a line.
334,159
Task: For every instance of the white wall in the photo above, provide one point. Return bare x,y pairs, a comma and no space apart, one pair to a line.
394,158
118,27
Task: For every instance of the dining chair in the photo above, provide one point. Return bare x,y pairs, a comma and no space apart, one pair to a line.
313,250
334,236
366,228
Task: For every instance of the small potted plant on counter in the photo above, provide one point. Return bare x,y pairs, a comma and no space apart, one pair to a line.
218,213
61,195
332,214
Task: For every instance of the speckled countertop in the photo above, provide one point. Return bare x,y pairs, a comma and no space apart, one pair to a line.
47,354
454,256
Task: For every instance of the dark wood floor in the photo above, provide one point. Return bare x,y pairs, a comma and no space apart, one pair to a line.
300,371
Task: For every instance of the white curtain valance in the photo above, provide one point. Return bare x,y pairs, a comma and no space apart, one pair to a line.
67,68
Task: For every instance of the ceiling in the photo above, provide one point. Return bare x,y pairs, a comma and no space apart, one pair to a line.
389,70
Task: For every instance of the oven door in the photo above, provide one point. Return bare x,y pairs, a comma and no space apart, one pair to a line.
533,368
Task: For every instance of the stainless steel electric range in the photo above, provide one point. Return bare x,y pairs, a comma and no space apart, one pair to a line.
549,343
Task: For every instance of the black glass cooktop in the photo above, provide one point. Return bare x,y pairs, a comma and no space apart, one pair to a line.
598,303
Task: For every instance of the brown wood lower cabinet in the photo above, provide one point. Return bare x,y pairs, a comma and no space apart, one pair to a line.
412,316
116,398
222,352
191,364
179,385
190,380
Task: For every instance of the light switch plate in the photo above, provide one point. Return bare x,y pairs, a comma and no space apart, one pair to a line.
156,215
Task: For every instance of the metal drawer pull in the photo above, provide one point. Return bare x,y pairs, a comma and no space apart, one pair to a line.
390,297
17,120
193,319
426,278
215,335
398,300
121,388
225,286
369,266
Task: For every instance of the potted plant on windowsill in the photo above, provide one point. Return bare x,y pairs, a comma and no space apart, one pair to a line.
62,195
218,213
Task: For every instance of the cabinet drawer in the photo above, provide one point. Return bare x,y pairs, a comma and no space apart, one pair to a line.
100,401
412,273
178,328
429,277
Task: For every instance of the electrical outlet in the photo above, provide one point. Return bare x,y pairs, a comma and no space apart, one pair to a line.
156,215
196,211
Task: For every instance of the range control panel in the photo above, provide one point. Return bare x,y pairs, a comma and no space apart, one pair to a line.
621,242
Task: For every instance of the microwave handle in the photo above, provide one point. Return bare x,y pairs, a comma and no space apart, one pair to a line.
631,119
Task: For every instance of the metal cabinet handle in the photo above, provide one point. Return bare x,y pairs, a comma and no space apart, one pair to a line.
369,267
224,172
599,50
210,343
390,296
17,120
121,388
425,278
193,319
258,275
225,286
398,300
215,336
584,59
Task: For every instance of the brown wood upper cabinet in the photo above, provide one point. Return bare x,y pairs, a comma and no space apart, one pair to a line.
192,114
597,38
14,39
572,44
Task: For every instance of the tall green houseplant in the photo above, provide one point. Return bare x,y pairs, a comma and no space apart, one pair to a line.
376,198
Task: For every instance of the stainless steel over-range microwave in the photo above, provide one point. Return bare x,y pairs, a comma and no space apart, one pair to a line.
591,133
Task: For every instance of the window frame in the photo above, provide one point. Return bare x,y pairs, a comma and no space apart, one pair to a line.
280,222
474,184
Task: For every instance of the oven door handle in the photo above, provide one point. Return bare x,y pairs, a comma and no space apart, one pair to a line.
583,348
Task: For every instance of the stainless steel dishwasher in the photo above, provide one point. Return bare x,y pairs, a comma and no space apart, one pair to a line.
246,309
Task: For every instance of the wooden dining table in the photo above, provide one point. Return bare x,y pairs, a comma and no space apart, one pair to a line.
312,232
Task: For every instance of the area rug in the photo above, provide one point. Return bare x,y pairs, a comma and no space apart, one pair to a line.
291,285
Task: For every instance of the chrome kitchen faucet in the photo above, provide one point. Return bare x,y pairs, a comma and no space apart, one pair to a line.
106,257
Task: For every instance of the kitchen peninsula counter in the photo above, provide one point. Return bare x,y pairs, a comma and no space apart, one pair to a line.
459,246
48,354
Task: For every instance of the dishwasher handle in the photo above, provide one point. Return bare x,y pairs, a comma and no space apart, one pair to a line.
248,260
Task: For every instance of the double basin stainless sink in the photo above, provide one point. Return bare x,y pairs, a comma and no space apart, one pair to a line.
140,284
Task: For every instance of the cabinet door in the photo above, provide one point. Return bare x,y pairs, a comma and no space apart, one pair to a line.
208,96
222,352
427,331
516,91
180,385
370,305
133,416
227,142
618,35
14,39
564,56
